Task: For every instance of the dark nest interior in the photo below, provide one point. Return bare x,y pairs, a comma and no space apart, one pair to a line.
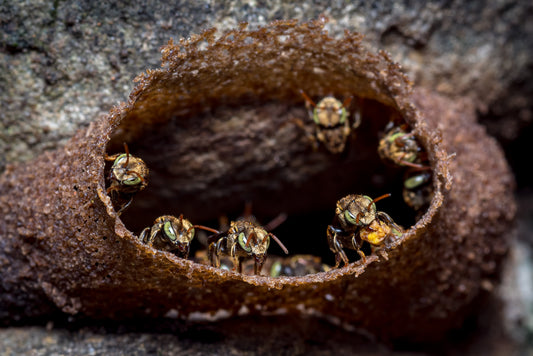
214,163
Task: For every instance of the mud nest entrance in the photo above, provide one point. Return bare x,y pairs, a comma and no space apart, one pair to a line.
218,129
212,165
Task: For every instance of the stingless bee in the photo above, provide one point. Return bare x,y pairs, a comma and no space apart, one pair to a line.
171,234
128,176
298,265
417,188
357,220
399,147
241,240
332,124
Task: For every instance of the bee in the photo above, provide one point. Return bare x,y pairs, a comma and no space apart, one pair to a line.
298,265
128,176
171,234
241,240
399,147
357,220
332,124
417,188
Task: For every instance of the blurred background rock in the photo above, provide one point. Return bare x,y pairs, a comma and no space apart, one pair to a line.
64,63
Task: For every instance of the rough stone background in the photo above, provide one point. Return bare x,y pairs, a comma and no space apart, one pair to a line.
64,63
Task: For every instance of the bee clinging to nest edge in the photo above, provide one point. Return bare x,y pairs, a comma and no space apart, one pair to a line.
357,220
128,176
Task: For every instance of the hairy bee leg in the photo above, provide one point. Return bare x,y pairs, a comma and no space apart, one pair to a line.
341,256
362,254
215,249
382,253
143,234
112,188
185,253
153,233
211,254
336,247
358,249
257,268
124,207
239,264
234,258
383,216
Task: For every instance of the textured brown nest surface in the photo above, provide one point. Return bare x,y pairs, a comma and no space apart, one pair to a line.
216,127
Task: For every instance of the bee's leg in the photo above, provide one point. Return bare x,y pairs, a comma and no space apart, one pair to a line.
143,234
112,188
362,254
153,233
234,258
357,248
211,254
382,253
396,229
124,207
185,254
336,247
239,264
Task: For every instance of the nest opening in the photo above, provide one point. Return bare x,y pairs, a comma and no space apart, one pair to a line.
212,164
227,125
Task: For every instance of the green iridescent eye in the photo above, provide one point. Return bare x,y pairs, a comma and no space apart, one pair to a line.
370,200
343,114
242,242
315,116
119,159
395,136
132,181
351,219
169,231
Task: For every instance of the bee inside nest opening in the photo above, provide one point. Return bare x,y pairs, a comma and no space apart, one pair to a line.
262,155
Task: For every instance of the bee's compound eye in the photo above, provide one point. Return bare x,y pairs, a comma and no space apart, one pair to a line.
120,159
342,113
132,181
351,219
169,231
242,242
371,204
315,116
